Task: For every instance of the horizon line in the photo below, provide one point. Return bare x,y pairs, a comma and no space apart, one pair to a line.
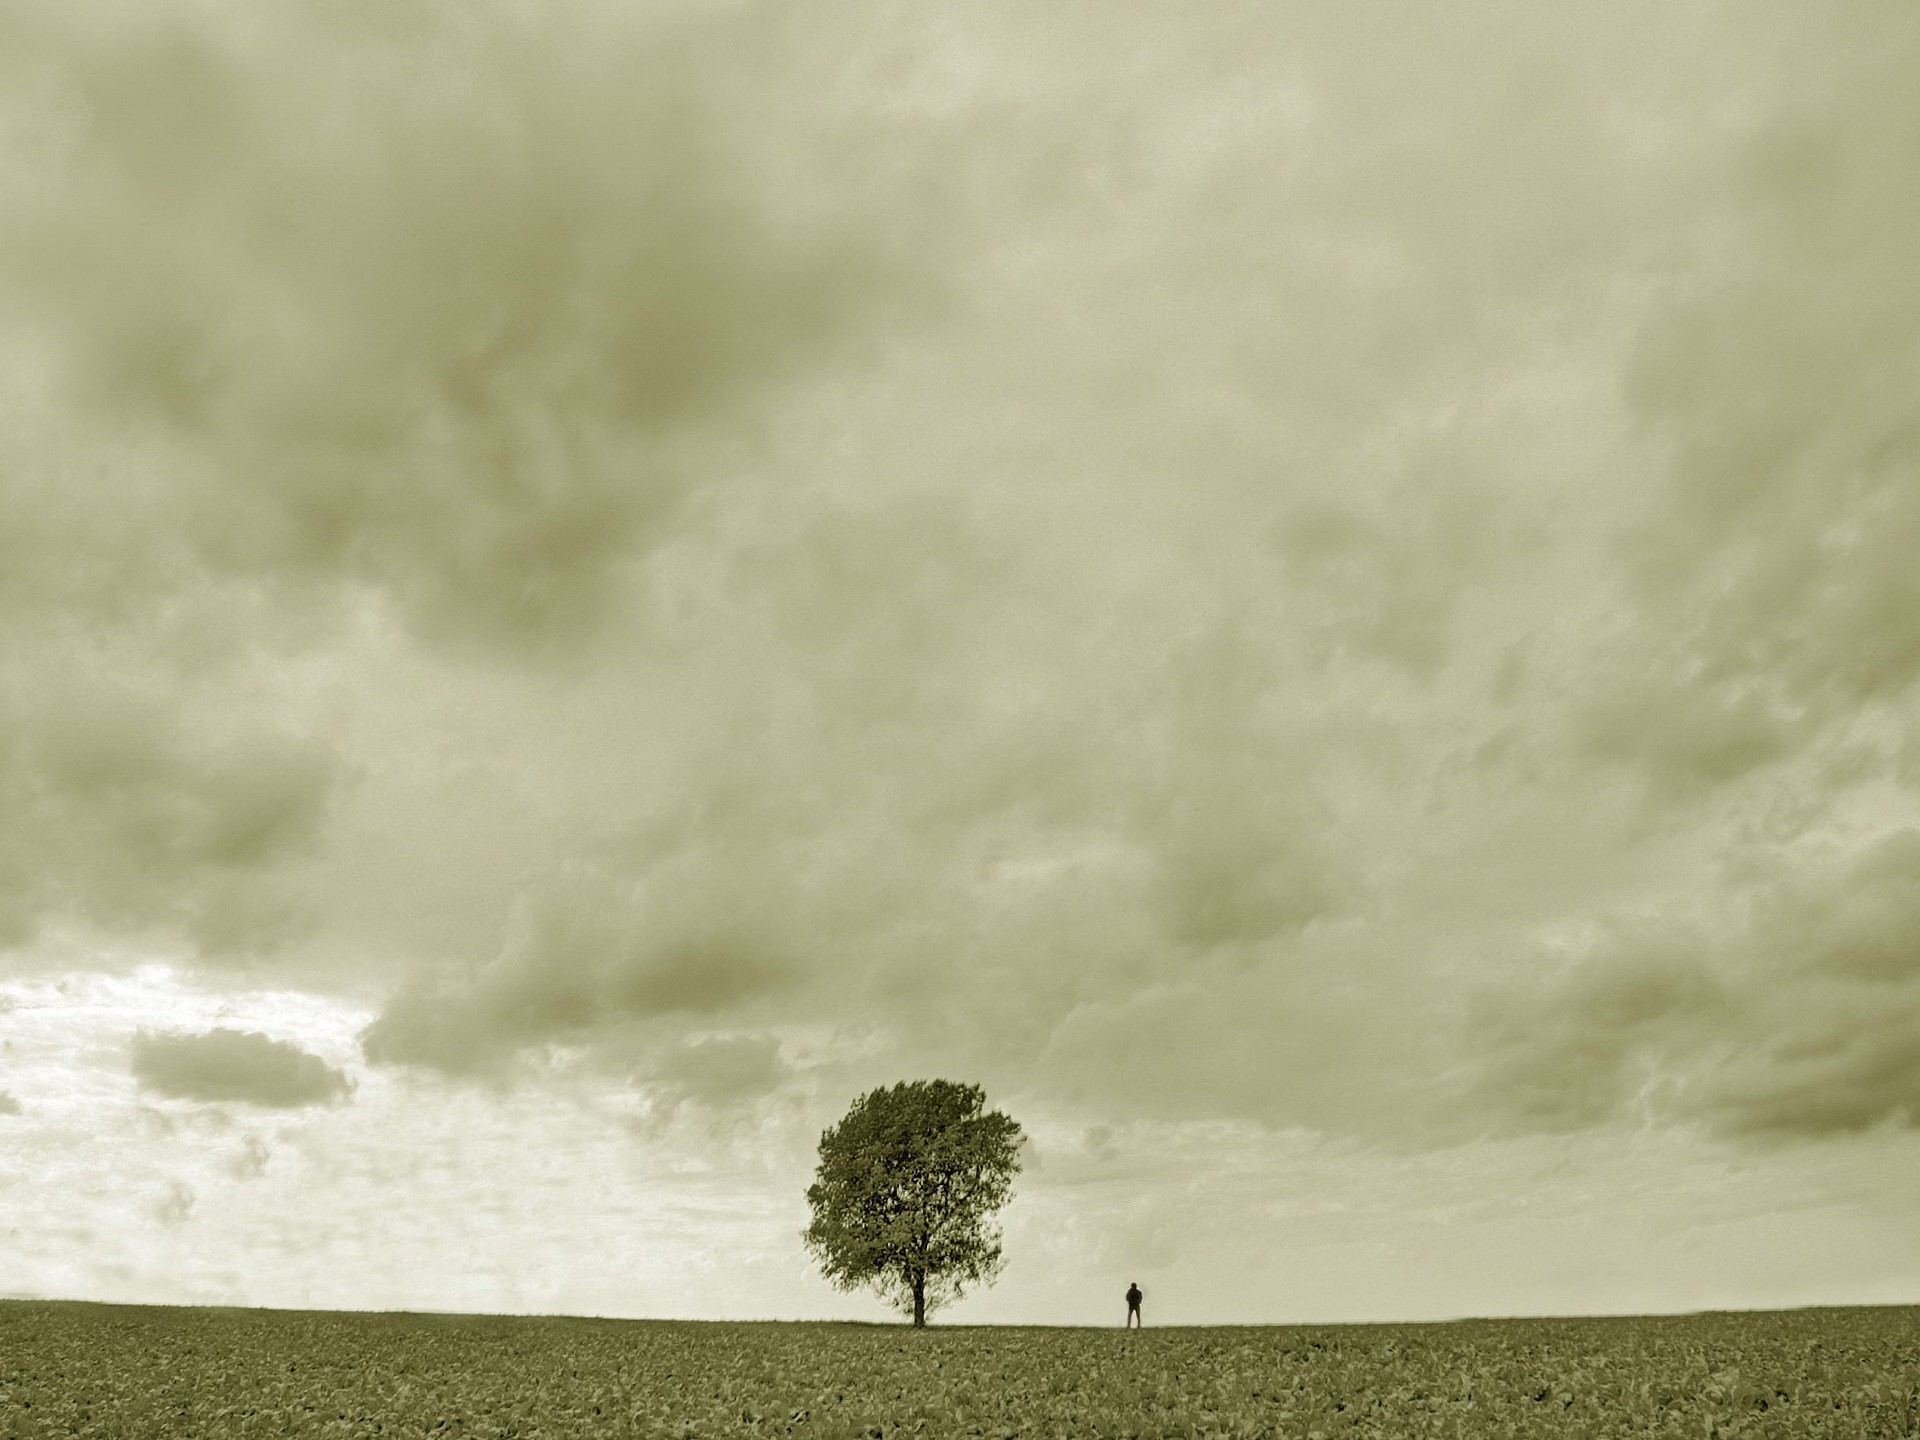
10,1298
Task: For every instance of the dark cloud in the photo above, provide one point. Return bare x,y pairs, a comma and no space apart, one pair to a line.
1581,1042
1846,1070
140,809
8,1105
589,950
1775,572
910,870
451,341
235,1065
717,1073
283,367
1386,585
1688,735
1797,1019
1143,559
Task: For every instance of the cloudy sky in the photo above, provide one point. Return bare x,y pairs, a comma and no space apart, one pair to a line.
1322,596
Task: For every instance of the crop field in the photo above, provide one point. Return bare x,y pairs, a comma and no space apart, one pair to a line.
119,1371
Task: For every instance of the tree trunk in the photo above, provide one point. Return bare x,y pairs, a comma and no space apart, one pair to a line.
919,1302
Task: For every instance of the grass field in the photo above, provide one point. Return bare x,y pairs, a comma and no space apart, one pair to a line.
124,1371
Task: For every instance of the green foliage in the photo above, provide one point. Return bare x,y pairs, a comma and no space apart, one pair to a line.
905,1193
133,1373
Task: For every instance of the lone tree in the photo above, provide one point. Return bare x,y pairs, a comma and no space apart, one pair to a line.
904,1197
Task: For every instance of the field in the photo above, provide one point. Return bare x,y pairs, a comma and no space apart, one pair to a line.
125,1372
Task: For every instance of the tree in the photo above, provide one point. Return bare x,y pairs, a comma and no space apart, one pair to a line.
906,1190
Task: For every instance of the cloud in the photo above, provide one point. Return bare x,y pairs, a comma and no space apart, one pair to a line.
1687,736
1144,560
1793,1019
1386,585
251,1161
451,343
136,808
908,870
9,1105
1140,711
1773,577
281,374
1584,1040
176,1206
235,1065
589,948
720,1069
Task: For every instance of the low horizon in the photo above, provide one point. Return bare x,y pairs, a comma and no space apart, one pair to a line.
1319,599
898,1323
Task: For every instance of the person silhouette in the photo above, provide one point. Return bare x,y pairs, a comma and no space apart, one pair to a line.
1134,1297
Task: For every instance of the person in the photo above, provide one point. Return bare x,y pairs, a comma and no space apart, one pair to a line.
1134,1297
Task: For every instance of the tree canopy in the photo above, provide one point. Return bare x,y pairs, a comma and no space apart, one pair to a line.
906,1190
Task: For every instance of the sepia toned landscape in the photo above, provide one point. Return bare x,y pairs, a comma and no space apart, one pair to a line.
959,716
117,1371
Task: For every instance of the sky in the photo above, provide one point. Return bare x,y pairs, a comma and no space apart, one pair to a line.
1320,596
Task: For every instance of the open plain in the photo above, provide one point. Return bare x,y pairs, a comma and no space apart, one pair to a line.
128,1372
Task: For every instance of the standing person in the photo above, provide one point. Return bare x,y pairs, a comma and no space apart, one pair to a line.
1134,1297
